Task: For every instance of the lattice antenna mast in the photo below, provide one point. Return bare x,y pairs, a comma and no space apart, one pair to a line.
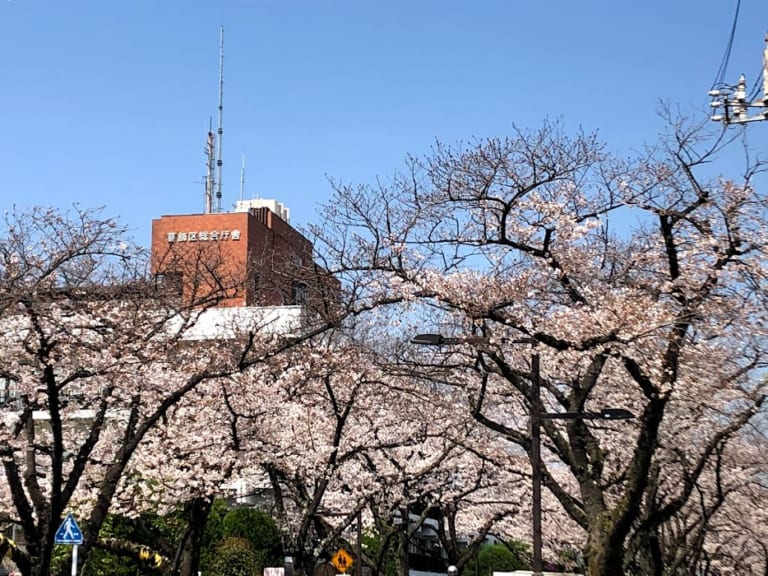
732,104
210,164
220,131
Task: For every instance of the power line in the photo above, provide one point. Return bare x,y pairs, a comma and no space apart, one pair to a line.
728,47
734,104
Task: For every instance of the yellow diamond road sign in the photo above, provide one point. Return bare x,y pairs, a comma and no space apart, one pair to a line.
342,560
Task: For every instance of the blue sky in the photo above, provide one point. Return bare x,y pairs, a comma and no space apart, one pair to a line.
107,102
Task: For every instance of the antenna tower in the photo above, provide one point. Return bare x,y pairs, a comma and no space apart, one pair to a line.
210,150
220,131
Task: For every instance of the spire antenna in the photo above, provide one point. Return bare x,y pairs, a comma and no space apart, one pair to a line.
220,131
242,177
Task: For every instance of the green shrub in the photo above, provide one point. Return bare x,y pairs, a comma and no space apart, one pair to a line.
235,557
501,558
259,529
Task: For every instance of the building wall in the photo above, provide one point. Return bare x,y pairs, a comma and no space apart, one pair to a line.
251,258
205,253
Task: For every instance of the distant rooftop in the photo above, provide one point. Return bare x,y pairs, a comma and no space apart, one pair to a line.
275,206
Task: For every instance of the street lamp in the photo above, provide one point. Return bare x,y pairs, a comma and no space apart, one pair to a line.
604,414
536,416
439,340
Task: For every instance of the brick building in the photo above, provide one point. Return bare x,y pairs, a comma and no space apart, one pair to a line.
249,257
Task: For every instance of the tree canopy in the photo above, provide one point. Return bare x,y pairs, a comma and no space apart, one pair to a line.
636,283
641,281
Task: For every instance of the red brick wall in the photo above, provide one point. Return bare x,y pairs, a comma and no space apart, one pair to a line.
238,258
208,251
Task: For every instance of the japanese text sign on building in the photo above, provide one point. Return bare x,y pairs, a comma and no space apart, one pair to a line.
203,236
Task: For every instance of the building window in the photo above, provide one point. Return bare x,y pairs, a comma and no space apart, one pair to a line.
298,293
169,280
256,287
8,392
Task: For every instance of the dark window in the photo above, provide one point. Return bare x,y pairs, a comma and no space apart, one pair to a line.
8,392
298,293
256,287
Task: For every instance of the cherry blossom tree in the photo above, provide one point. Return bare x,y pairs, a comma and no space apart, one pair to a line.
641,281
319,439
337,440
94,356
722,529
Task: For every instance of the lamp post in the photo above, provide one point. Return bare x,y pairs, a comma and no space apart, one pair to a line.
536,416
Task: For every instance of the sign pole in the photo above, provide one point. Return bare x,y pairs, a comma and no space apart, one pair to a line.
74,560
69,533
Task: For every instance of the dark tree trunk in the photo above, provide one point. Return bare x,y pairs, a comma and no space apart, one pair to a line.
188,554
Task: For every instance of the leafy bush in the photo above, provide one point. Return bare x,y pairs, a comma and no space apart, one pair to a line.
259,529
501,558
228,525
235,557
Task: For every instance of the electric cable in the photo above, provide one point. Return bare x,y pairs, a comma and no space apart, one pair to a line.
754,92
727,54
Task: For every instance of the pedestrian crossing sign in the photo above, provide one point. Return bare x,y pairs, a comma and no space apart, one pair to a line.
69,532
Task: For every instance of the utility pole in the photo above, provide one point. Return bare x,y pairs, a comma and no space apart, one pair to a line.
732,105
536,418
359,543
536,460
